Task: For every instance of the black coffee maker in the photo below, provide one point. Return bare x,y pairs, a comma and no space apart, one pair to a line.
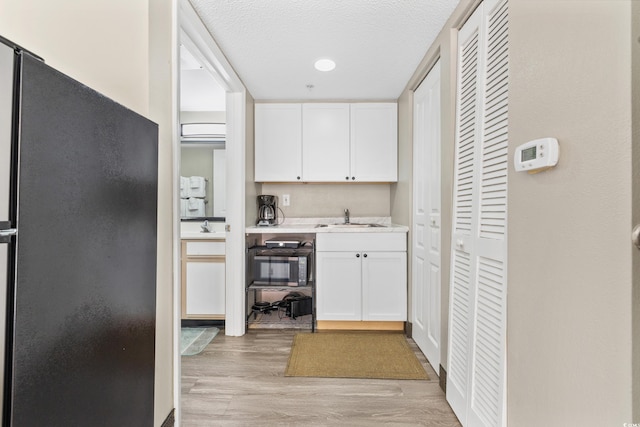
267,210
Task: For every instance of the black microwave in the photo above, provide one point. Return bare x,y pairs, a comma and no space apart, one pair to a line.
281,266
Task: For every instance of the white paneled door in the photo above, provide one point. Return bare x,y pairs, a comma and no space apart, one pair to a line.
476,374
426,255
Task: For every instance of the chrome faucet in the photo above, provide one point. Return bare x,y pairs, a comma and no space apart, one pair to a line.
346,216
205,227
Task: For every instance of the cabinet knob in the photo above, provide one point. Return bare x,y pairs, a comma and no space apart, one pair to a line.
298,178
347,178
357,255
353,178
365,255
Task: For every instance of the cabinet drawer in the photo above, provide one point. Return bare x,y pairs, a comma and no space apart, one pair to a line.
205,248
361,242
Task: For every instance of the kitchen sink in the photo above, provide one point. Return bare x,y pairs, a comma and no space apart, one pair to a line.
350,225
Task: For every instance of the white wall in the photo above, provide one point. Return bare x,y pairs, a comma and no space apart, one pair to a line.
635,73
252,189
162,103
103,44
569,260
106,45
203,116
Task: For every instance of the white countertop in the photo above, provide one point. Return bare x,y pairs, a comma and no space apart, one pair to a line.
192,230
310,225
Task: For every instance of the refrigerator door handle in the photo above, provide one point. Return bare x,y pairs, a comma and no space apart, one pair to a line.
6,231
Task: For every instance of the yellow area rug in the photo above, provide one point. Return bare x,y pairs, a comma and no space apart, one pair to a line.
353,355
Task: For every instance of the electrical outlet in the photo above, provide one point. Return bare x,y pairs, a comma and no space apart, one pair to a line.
286,201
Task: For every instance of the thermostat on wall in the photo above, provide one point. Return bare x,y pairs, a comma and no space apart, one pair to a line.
537,155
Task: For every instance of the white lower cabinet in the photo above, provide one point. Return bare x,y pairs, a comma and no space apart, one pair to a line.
338,286
361,276
203,279
384,286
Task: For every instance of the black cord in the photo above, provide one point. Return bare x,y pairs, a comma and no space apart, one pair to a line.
283,217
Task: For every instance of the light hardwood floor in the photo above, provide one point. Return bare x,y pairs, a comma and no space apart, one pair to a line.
239,381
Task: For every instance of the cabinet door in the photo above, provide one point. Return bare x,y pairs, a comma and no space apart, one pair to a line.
325,154
338,286
384,286
374,142
278,142
204,288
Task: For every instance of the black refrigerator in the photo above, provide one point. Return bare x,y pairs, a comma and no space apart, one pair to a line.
78,209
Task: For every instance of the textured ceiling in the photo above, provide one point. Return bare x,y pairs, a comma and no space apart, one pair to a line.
272,44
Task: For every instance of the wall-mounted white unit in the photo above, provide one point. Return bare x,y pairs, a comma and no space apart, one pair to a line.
203,132
536,156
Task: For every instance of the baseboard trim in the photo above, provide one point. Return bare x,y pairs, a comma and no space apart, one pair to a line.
170,421
201,322
356,325
443,379
408,329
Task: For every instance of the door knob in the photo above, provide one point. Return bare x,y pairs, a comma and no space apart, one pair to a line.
635,236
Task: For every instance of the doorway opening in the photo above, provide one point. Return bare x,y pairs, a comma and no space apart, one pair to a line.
198,41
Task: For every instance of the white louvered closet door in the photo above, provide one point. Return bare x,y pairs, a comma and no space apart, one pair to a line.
464,200
477,325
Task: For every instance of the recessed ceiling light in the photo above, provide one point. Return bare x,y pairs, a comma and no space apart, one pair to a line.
324,65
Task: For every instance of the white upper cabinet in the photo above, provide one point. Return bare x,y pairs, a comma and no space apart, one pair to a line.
278,142
326,142
374,142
